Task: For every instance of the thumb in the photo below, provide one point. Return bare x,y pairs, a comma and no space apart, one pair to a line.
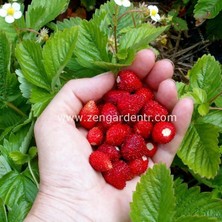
70,98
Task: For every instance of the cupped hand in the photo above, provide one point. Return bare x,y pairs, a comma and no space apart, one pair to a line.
70,190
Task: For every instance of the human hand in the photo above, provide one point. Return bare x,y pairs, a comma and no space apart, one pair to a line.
70,190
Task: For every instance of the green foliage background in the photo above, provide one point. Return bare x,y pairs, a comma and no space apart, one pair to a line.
31,73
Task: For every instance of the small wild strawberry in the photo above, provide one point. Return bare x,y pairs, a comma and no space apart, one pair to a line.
146,93
100,161
134,147
95,136
163,132
112,151
114,96
109,115
138,166
127,80
117,133
151,149
89,110
143,128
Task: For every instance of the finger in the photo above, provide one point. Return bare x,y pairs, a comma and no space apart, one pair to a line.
70,98
161,71
143,63
183,113
167,94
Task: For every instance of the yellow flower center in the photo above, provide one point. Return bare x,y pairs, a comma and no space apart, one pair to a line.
153,12
10,11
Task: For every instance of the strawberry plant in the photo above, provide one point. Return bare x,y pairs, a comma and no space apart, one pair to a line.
39,54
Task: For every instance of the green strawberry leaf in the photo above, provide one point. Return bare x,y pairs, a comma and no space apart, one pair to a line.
192,202
3,212
203,109
154,198
57,52
206,75
29,55
15,186
41,12
196,219
66,23
4,166
8,29
199,149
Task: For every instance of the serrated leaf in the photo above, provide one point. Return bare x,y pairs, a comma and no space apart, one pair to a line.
4,166
66,23
15,186
58,51
200,95
179,24
218,101
207,9
41,12
18,157
19,211
192,202
8,29
182,88
196,219
203,109
25,87
206,74
29,55
3,213
40,100
140,37
214,117
199,149
4,64
154,198
95,40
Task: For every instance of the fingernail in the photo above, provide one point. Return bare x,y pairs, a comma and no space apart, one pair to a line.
170,62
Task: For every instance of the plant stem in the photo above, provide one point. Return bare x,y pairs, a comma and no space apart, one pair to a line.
115,28
33,175
130,11
215,97
16,109
134,21
215,108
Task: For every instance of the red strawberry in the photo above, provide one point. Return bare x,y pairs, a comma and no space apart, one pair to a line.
143,128
151,149
114,96
134,147
127,80
163,132
109,115
89,110
118,175
117,133
100,161
95,136
131,104
154,110
138,166
146,93
112,151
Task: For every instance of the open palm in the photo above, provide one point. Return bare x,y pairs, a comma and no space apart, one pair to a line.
70,190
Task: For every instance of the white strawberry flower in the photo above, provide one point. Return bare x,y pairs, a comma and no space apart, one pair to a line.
125,3
11,12
154,13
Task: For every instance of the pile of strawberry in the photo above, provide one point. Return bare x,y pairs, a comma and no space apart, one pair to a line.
124,129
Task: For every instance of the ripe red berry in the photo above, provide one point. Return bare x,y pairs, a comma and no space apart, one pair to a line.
114,96
163,132
154,110
112,151
130,104
100,161
151,149
143,128
127,80
118,175
138,166
87,113
134,147
109,115
95,136
117,133
146,93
